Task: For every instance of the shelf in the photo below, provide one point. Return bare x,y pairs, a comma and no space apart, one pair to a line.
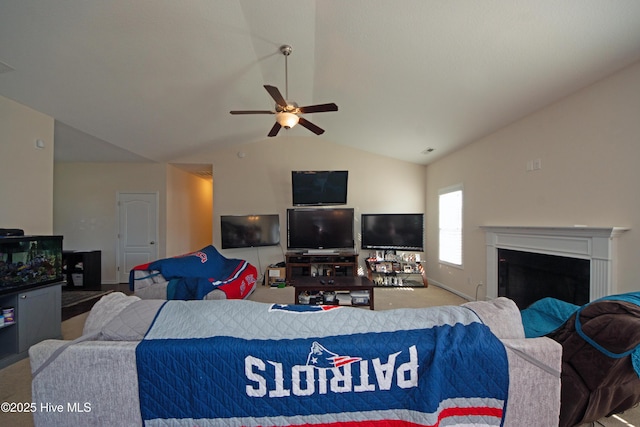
396,273
316,265
86,278
275,275
7,324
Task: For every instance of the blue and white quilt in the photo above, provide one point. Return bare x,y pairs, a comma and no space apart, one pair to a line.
243,363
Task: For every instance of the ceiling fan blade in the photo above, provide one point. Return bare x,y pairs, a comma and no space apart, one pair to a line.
313,128
320,108
275,129
252,112
276,95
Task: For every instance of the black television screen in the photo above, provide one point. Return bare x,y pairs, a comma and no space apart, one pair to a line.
320,228
316,188
393,231
246,231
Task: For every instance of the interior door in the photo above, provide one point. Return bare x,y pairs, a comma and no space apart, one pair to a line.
138,231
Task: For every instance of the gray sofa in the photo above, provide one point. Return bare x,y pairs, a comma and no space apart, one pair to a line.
95,377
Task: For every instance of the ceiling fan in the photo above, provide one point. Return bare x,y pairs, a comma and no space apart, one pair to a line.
288,113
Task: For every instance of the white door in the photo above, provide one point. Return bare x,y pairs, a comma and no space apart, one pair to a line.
138,231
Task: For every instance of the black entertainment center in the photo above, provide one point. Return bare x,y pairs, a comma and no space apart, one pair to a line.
320,265
321,237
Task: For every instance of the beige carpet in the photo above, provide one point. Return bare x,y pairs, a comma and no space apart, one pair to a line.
15,380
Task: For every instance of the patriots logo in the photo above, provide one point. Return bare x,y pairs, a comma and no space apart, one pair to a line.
320,357
302,308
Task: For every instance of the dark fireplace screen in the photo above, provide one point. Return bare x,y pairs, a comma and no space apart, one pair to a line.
526,277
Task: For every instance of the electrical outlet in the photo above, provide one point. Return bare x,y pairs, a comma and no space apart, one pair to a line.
537,164
529,165
534,165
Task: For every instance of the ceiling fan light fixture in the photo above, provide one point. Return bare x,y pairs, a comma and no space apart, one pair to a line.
287,120
288,113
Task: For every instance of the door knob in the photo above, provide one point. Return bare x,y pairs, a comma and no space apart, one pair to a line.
152,242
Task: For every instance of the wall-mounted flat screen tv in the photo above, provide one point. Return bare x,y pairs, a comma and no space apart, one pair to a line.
246,231
393,231
317,188
320,228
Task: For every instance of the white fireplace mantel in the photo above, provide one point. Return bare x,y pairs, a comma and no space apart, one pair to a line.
596,244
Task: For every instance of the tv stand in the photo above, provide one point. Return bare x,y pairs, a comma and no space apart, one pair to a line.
396,273
336,263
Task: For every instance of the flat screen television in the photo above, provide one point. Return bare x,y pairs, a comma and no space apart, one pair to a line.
393,231
318,188
246,231
320,228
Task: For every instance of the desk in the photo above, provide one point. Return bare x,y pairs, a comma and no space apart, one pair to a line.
340,283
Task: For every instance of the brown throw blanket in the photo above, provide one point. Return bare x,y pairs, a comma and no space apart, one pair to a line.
595,385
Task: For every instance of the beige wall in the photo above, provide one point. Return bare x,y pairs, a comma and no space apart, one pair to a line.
589,146
190,207
85,209
26,185
189,211
259,182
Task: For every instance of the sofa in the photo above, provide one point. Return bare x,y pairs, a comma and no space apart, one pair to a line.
202,274
297,365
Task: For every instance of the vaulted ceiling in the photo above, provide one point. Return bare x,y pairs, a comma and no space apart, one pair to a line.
155,79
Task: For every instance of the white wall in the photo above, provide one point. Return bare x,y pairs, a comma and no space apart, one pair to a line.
589,146
260,183
26,187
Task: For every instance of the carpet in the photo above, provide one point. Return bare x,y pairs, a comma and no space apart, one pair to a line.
78,302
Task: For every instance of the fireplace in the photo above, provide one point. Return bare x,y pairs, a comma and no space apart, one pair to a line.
589,252
526,277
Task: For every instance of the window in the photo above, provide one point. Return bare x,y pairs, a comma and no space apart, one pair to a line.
450,225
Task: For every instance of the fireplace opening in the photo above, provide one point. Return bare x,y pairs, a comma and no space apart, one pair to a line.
526,277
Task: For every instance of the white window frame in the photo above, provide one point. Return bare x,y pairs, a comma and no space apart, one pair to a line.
450,231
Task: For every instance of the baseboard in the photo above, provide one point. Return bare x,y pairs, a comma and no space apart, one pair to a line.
448,288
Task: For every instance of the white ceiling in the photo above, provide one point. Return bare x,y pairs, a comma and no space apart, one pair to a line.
155,79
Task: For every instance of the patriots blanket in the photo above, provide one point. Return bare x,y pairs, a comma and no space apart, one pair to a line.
243,363
194,275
